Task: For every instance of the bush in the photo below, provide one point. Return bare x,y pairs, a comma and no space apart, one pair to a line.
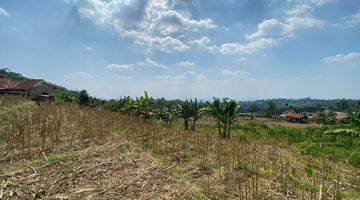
309,148
355,158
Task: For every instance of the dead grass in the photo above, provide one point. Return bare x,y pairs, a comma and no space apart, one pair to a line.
113,170
64,151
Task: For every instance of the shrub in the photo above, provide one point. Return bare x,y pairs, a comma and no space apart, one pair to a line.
355,158
309,148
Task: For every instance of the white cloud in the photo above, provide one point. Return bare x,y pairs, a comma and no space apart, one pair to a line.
79,75
302,9
322,2
350,58
149,23
275,28
4,13
200,77
121,66
298,23
238,73
353,20
186,64
170,22
235,48
272,28
152,63
240,59
147,63
186,76
119,77
88,48
312,2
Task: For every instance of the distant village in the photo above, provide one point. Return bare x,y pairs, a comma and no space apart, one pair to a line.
304,118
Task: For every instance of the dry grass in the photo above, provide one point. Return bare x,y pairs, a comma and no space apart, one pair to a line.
114,170
64,151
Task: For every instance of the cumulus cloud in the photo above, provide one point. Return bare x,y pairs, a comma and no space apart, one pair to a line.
172,22
186,64
237,73
275,28
4,13
353,20
186,76
150,23
235,48
147,63
350,58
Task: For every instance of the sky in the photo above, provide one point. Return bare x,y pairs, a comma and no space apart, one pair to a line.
241,49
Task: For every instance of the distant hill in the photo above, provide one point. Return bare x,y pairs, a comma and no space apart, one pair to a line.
305,104
299,105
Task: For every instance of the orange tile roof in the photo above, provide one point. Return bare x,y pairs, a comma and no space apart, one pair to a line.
18,85
295,115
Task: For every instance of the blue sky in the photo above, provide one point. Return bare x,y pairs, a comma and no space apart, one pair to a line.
242,49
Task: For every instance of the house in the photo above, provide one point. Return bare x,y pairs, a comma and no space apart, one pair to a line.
34,88
294,117
339,117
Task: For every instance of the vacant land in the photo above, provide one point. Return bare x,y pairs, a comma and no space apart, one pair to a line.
68,152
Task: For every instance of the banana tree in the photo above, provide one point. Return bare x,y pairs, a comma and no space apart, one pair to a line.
128,106
215,111
225,113
230,111
185,112
354,119
142,106
166,115
196,112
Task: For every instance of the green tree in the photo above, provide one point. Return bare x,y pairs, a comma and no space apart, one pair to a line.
84,98
271,108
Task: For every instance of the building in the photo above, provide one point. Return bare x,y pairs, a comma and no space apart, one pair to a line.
35,89
294,117
339,117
